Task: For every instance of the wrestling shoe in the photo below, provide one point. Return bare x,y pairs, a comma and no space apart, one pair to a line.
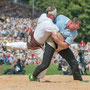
38,80
85,80
31,78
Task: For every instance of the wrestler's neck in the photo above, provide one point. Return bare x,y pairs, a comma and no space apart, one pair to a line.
50,16
67,26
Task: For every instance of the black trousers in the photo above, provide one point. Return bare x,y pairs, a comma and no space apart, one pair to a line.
70,58
49,51
66,53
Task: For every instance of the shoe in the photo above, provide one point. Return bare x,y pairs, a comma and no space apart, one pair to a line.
33,79
85,80
38,80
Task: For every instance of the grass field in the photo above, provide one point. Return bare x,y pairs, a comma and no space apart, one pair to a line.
52,70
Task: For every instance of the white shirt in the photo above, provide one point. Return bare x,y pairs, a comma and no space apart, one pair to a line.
44,28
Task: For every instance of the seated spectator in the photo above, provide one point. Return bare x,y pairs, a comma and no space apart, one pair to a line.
1,58
2,19
87,47
8,56
4,46
33,58
11,59
81,62
87,61
0,65
17,69
28,61
64,66
0,69
4,58
56,58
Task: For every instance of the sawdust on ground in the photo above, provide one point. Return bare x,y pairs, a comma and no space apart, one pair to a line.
50,82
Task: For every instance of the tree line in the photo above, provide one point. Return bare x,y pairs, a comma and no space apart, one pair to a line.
69,8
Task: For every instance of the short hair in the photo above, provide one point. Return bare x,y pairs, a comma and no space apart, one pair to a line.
76,21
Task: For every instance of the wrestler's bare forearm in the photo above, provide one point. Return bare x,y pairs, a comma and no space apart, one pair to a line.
59,39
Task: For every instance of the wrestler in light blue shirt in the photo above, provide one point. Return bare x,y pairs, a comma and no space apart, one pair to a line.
61,22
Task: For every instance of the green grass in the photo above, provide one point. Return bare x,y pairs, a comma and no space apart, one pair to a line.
52,70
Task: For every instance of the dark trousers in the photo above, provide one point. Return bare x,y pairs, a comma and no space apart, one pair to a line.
47,57
66,53
70,58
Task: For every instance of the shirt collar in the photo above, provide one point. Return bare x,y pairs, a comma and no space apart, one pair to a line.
66,23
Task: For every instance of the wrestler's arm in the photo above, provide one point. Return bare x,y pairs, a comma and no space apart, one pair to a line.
59,39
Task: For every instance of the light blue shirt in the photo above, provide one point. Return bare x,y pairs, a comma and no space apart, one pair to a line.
61,22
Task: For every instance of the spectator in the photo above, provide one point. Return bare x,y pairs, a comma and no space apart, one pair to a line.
82,44
87,61
11,59
64,67
4,57
4,46
57,58
87,47
18,68
0,68
1,58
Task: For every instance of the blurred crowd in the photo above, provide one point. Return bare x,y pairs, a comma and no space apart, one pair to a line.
15,20
18,10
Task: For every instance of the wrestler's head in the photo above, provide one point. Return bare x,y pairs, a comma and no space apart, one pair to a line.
51,12
74,24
